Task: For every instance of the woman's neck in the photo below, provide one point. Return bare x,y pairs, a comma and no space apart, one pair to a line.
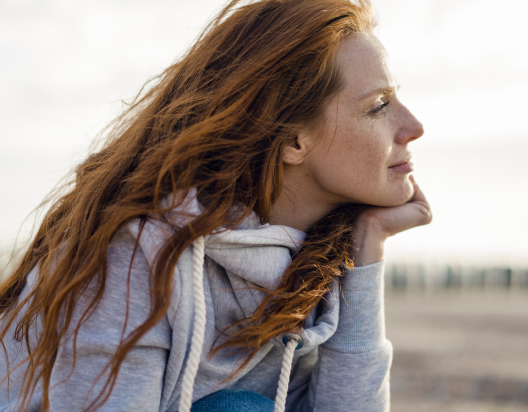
298,206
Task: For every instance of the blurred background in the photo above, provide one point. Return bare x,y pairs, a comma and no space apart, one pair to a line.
457,301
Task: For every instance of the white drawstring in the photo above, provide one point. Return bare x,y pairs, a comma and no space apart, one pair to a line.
199,327
191,368
284,380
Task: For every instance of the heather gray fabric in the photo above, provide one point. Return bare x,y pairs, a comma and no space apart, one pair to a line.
343,365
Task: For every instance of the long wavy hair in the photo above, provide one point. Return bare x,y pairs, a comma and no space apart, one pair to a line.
216,121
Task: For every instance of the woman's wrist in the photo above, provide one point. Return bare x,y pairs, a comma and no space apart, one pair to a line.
369,242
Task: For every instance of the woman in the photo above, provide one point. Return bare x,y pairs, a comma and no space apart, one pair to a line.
263,166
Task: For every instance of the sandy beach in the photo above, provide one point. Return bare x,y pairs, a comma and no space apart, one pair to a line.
458,351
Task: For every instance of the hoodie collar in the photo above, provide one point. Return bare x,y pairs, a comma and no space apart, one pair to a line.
257,253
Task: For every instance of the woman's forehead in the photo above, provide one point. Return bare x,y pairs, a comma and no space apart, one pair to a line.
365,66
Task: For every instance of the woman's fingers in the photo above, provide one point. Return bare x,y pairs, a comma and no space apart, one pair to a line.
393,220
420,201
418,194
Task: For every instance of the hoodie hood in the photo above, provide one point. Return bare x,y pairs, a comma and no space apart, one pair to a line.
252,255
259,255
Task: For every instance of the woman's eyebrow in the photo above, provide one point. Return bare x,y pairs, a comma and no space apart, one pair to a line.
384,90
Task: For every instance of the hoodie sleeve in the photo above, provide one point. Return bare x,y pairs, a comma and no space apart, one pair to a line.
77,381
352,373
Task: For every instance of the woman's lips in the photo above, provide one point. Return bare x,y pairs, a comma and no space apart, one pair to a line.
406,167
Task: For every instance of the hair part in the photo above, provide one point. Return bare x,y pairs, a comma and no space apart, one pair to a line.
217,121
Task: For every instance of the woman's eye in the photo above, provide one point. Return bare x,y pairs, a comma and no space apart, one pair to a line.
380,108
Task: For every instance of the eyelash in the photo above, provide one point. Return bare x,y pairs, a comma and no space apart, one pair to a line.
379,109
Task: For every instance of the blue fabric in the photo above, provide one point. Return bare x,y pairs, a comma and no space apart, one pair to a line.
231,400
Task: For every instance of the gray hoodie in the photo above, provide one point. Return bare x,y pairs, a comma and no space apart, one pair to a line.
343,365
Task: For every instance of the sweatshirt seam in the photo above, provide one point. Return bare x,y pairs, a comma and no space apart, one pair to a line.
355,353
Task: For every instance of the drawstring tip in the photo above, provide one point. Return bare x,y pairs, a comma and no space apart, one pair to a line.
299,340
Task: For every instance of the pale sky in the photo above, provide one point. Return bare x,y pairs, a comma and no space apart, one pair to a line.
65,65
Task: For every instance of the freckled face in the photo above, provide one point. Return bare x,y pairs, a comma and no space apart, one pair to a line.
361,154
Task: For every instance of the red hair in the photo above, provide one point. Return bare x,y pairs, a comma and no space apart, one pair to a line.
217,120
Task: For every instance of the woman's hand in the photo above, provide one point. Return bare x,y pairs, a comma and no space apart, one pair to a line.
376,224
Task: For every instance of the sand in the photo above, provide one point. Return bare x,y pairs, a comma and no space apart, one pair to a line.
459,351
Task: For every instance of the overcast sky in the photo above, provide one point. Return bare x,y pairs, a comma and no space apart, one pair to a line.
65,65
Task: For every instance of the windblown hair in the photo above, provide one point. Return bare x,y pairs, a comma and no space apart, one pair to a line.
216,121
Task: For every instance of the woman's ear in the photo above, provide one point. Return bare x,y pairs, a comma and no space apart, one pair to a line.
295,151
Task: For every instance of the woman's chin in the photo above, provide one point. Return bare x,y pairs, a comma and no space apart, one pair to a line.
398,197
390,195
405,194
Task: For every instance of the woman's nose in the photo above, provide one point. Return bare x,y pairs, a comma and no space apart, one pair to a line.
410,129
